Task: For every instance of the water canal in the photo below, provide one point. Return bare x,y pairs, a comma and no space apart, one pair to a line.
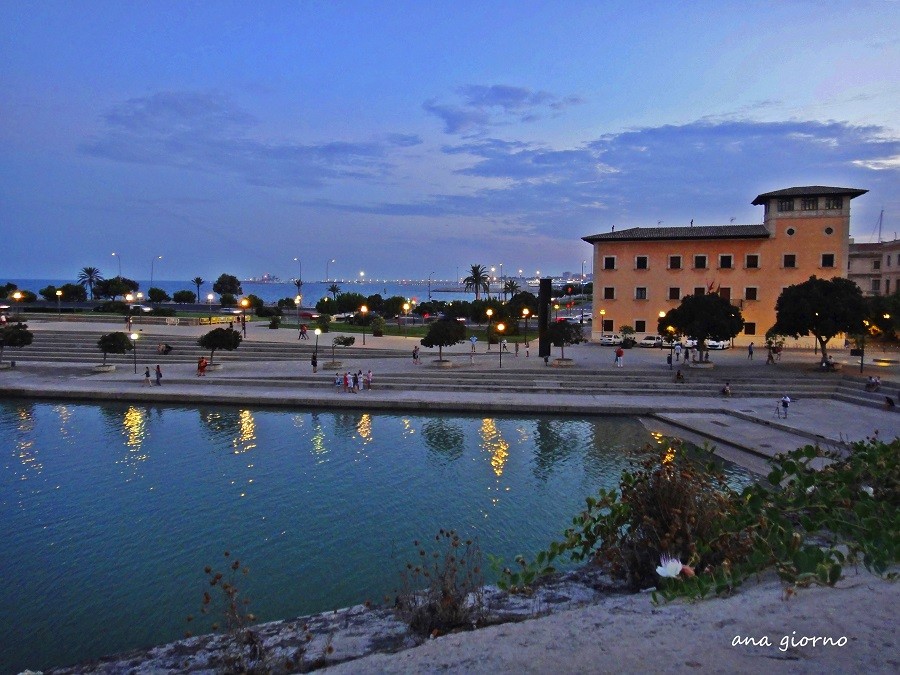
110,512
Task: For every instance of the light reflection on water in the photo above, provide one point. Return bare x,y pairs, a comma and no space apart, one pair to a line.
112,511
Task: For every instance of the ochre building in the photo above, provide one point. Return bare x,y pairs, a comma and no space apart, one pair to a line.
642,271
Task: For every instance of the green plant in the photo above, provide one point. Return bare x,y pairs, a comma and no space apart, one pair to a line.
184,297
443,590
378,324
220,338
444,333
806,524
15,335
275,322
114,343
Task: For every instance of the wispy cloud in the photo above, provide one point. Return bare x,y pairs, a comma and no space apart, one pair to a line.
209,132
483,106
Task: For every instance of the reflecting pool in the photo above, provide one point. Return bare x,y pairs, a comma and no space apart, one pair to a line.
111,512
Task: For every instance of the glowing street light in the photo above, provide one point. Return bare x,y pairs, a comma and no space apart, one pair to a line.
525,313
500,329
17,296
489,313
318,332
134,339
327,263
405,315
58,299
118,257
297,302
152,262
364,310
209,299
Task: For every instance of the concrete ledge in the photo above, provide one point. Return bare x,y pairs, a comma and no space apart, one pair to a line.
104,368
702,364
563,363
331,364
214,366
444,363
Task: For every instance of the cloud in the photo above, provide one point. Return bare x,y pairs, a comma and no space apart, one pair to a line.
708,171
484,106
208,132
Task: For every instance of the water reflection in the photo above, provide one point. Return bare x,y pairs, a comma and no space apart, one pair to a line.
444,438
364,427
134,429
554,441
245,440
494,443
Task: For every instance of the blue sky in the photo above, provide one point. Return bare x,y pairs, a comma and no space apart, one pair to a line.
408,138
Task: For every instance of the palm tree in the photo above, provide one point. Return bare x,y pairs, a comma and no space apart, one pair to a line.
88,277
511,287
478,280
198,282
334,289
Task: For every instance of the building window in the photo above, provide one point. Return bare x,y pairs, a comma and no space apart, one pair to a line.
752,261
699,290
828,260
674,293
751,293
640,326
640,293
724,292
808,204
609,262
887,286
640,262
607,325
749,329
674,262
889,260
791,231
876,264
834,202
699,262
609,292
725,262
785,204
876,285
790,261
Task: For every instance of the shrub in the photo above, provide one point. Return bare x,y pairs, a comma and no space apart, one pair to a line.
15,335
323,322
227,300
220,338
163,311
267,312
157,295
112,307
275,322
114,343
184,297
443,590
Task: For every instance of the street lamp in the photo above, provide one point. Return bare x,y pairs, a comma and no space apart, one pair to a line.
118,257
58,299
405,315
244,304
209,299
670,332
318,332
603,320
556,307
490,279
489,313
525,313
17,296
500,329
134,339
429,286
362,277
327,263
152,261
364,310
297,302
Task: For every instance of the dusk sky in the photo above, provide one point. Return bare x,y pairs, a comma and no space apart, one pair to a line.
408,138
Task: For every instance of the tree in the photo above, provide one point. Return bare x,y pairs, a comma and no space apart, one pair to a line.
334,289
15,335
821,307
511,287
444,333
113,288
478,280
198,282
342,341
703,317
89,276
220,338
157,295
114,343
562,333
184,297
73,293
229,284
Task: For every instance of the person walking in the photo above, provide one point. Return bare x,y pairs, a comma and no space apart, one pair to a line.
369,378
314,362
158,376
620,357
147,382
415,354
677,351
750,351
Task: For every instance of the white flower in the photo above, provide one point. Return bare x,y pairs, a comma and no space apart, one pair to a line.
669,567
868,490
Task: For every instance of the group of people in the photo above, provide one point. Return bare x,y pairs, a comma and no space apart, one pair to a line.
163,348
353,382
147,382
873,383
304,332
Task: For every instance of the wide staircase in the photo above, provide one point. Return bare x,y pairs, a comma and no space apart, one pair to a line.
799,382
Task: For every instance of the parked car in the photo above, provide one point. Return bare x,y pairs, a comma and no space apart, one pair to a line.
668,343
610,339
650,341
134,309
718,344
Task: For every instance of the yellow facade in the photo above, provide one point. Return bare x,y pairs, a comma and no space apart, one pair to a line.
640,272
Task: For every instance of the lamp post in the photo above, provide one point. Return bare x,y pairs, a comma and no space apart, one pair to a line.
118,258
862,345
17,296
209,299
327,263
364,310
490,279
669,331
58,299
140,297
244,304
489,313
525,313
429,286
318,332
134,339
152,262
297,302
500,329
556,307
502,289
405,315
602,321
